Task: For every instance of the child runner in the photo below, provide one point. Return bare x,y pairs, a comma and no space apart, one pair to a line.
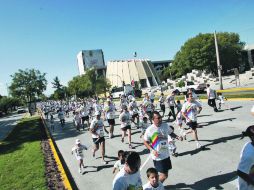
144,125
120,163
78,150
222,99
171,144
153,180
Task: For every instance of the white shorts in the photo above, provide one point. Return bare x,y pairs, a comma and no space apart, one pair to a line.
79,157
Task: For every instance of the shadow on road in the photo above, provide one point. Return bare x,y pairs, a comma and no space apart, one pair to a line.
202,124
212,142
207,183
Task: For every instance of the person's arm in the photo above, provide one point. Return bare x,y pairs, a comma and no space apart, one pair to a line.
173,135
245,177
200,109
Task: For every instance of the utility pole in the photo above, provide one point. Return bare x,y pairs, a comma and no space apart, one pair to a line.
218,61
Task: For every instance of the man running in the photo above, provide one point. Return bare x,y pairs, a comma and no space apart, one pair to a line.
97,131
190,110
156,140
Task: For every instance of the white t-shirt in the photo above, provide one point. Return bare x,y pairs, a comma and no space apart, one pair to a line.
191,110
98,126
210,93
158,139
118,165
61,115
148,186
162,100
171,100
78,150
77,119
246,165
125,181
110,111
125,119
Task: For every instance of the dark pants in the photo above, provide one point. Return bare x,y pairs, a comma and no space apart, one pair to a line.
212,103
172,112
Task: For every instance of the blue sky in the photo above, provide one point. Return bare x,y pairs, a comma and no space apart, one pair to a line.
47,35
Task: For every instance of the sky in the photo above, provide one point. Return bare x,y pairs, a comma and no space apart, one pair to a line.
48,34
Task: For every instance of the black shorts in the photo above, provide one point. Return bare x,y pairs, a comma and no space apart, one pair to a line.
125,128
98,140
163,166
134,115
193,125
86,118
111,121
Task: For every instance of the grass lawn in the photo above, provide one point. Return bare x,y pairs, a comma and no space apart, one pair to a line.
21,159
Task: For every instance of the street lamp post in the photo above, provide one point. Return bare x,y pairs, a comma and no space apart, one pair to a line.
218,61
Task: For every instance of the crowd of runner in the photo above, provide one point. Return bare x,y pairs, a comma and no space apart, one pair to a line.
158,136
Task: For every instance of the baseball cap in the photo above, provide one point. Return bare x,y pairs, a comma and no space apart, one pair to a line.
77,141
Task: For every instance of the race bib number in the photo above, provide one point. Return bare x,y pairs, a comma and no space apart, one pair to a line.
163,146
110,115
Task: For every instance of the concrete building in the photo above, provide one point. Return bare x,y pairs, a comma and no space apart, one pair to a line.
88,59
129,71
249,49
160,65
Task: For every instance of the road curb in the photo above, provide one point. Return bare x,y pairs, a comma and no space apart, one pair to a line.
63,174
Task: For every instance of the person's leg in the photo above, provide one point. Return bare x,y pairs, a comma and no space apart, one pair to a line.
173,112
129,136
123,135
102,150
163,176
111,130
96,147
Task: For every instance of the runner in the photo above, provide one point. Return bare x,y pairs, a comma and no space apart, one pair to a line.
109,112
129,176
156,140
162,104
78,150
211,96
125,120
97,132
190,110
77,120
171,104
85,115
133,107
61,117
245,170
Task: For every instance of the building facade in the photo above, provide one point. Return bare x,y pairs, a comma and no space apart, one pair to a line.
88,59
138,71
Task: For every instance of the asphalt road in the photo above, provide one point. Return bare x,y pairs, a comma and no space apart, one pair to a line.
212,168
7,124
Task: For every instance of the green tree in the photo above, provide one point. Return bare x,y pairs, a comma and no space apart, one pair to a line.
27,84
88,84
9,103
199,53
56,83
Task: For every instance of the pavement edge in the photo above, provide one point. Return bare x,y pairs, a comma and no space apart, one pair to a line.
67,184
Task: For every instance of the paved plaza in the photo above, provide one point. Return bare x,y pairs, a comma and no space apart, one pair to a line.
212,168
